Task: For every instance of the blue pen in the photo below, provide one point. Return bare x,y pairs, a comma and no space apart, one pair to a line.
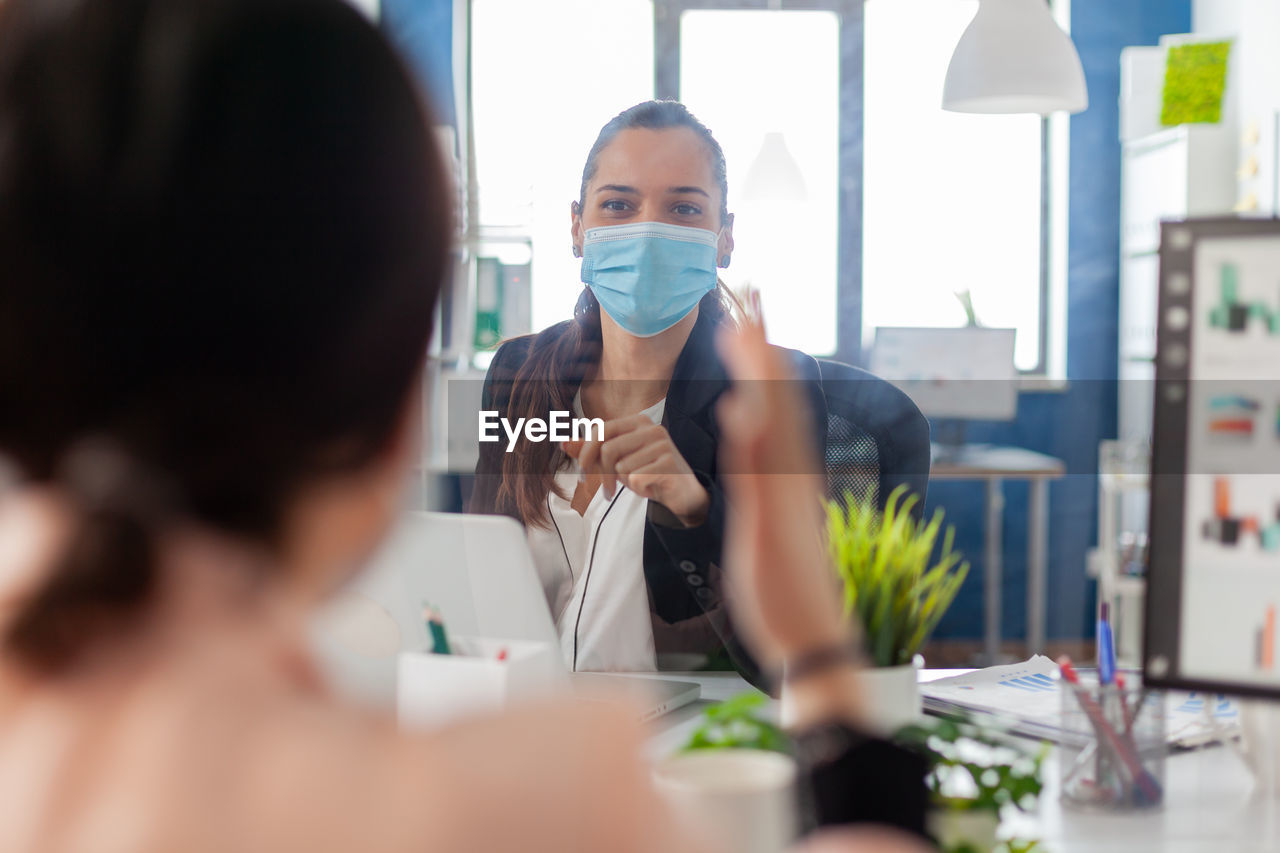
1106,647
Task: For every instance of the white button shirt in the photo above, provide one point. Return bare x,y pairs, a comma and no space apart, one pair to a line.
592,571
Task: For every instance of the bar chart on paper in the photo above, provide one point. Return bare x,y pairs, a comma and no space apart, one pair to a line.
1037,682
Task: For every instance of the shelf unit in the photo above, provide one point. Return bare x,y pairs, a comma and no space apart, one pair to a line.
1175,173
1123,494
1167,173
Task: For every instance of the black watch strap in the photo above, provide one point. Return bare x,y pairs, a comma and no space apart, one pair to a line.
856,778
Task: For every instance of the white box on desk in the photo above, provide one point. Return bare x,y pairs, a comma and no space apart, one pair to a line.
433,689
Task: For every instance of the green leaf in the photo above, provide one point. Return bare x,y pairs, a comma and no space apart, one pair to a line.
733,724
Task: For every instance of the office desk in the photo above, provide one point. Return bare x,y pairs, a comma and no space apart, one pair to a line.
995,465
1209,803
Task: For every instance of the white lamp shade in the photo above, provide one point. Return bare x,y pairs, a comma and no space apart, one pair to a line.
774,175
1014,58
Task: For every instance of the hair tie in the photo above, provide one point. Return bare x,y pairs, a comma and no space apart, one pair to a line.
102,477
10,475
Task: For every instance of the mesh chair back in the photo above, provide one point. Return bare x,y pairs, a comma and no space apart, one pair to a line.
877,439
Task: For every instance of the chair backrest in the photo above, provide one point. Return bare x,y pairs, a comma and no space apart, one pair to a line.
876,437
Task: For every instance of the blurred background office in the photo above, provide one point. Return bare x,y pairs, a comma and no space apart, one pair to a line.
929,245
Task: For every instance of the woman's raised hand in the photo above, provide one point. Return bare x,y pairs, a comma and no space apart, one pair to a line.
783,590
640,455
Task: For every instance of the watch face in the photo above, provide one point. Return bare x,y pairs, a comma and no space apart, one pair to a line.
825,743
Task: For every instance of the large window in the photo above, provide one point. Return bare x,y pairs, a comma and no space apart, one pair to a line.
951,202
546,75
853,197
767,84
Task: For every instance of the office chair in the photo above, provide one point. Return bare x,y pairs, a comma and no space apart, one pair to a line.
876,437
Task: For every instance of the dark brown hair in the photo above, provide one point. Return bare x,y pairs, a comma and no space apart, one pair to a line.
223,227
560,357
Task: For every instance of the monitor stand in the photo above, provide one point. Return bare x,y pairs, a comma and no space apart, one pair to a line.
948,440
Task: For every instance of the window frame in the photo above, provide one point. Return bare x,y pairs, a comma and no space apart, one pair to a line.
851,119
666,84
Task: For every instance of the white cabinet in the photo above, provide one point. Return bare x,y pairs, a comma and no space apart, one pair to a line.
1175,173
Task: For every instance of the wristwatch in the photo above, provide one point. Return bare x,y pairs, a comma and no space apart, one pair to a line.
857,778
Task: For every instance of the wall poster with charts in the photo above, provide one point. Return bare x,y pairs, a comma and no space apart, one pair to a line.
1214,580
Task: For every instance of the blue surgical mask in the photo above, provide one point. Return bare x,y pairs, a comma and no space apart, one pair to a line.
648,275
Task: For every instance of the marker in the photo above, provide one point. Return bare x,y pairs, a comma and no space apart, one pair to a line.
1106,647
435,627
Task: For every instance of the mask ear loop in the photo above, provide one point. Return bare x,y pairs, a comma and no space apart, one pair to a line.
576,209
724,259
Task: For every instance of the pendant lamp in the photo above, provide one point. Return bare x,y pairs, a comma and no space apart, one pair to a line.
1014,58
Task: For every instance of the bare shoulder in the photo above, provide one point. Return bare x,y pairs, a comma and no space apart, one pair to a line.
552,777
212,764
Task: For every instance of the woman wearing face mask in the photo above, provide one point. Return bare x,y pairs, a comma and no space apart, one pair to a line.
626,532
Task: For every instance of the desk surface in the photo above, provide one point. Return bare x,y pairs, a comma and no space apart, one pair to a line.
1209,808
976,461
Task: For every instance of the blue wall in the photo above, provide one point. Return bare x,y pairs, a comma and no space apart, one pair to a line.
423,31
1068,425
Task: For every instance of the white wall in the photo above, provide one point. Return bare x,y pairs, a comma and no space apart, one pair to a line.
1255,24
1213,17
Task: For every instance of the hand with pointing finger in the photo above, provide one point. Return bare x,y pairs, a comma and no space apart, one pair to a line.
640,455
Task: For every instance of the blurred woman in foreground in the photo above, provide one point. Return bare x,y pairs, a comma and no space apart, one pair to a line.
222,231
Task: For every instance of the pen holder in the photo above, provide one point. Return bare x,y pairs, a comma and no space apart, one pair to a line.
433,689
1113,752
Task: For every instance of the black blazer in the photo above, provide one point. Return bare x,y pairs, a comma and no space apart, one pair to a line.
682,566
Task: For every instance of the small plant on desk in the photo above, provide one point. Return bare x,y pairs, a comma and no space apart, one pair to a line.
889,586
974,774
734,724
894,592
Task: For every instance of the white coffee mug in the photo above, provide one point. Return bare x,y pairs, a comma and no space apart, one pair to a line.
741,800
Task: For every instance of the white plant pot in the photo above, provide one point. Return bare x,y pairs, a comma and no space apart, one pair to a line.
975,828
890,698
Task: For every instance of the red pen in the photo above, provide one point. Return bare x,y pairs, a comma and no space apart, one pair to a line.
1124,708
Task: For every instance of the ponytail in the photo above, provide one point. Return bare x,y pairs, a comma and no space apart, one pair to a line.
107,569
547,381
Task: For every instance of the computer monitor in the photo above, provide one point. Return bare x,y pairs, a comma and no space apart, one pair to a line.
1213,589
965,373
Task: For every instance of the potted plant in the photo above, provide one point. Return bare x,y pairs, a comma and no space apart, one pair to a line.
974,774
735,724
895,591
735,779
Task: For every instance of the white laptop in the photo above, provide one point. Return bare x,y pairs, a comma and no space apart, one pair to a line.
478,572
